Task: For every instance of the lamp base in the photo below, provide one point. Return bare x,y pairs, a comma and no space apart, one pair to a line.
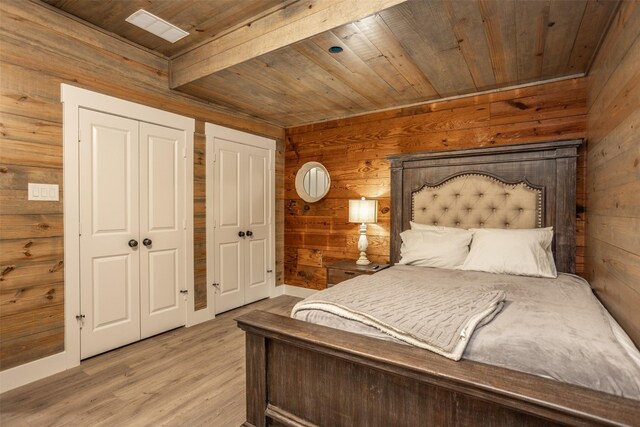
362,246
363,259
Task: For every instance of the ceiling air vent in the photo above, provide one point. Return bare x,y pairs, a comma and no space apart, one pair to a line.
158,26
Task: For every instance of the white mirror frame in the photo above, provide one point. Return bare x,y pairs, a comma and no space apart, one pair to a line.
300,181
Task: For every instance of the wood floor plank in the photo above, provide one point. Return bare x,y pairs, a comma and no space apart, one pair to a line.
188,376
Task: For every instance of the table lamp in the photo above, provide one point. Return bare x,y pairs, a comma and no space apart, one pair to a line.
363,212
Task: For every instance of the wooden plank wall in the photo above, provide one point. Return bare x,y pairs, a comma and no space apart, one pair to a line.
354,150
613,165
39,49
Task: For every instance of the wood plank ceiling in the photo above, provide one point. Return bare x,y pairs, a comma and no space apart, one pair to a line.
202,19
413,52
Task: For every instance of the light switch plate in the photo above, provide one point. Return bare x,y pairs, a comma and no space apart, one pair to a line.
43,192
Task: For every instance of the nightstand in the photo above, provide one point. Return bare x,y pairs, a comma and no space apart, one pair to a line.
345,270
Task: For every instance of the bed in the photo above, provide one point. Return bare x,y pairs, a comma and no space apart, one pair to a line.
300,373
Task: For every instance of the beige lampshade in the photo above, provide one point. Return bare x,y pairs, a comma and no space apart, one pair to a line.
363,211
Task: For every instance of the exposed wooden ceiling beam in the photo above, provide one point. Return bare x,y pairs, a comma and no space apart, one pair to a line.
289,25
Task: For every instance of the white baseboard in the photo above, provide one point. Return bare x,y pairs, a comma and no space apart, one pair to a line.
32,371
276,291
297,291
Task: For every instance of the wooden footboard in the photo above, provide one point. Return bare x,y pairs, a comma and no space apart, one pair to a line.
301,374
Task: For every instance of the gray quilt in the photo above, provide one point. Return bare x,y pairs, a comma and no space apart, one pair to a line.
441,320
553,328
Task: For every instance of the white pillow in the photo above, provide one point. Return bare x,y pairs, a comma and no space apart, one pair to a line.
433,248
523,252
424,227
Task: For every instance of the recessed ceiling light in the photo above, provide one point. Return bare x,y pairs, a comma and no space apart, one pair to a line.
158,26
335,49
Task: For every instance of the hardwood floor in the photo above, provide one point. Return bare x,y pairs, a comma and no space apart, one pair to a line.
188,376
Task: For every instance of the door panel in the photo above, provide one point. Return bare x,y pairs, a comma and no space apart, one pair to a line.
228,262
113,289
162,268
257,188
257,267
111,178
163,182
231,270
229,189
257,220
109,211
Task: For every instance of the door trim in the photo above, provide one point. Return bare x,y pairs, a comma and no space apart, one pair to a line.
74,98
211,131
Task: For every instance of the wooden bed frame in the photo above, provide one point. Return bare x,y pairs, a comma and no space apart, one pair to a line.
302,374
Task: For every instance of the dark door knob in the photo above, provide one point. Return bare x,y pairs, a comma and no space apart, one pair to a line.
133,243
249,233
147,242
240,233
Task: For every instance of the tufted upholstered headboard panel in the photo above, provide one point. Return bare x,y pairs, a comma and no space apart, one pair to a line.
474,200
511,186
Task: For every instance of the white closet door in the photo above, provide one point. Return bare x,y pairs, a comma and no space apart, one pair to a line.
162,184
229,206
109,220
257,210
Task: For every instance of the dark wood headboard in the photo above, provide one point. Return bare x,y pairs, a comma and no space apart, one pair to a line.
550,166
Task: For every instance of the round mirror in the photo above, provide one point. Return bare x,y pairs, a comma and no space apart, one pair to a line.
312,182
